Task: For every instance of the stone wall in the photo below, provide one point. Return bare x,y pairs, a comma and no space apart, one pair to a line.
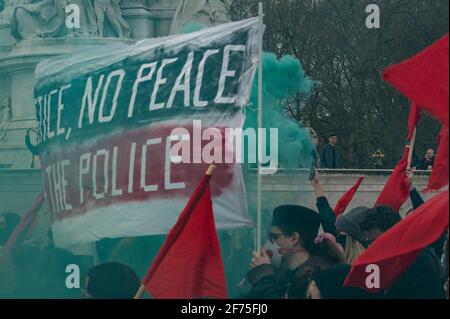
18,188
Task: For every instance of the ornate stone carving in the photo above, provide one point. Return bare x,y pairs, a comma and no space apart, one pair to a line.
109,10
205,12
46,19
5,116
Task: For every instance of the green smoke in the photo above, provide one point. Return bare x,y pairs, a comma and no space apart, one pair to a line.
282,78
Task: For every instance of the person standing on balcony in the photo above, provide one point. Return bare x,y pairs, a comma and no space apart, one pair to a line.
331,155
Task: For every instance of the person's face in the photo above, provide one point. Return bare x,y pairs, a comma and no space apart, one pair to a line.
373,234
283,241
430,153
333,140
313,292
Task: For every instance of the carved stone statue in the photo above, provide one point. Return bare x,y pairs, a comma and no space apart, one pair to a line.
206,12
47,19
8,9
109,10
5,116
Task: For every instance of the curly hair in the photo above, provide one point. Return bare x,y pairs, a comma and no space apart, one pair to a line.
380,217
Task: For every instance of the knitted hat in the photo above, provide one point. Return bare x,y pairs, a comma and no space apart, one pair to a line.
350,221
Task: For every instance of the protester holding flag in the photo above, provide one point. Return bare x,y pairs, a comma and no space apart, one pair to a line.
326,214
348,226
422,279
417,201
295,229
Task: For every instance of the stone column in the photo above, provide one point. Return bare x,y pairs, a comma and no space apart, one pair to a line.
6,40
163,12
139,17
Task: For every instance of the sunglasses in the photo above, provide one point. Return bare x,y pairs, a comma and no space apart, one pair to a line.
274,236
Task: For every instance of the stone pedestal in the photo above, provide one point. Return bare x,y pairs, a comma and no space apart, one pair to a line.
149,20
6,40
19,188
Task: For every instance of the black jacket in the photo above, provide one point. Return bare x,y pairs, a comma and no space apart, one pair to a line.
327,216
331,157
438,245
422,280
268,283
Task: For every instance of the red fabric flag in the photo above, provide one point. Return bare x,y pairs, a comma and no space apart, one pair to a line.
347,198
27,222
396,189
395,250
439,174
424,79
189,264
414,118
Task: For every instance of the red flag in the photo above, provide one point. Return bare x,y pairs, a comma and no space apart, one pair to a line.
396,189
189,264
439,174
347,197
414,118
27,221
424,79
395,250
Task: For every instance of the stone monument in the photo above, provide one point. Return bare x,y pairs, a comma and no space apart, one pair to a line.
31,31
200,12
34,30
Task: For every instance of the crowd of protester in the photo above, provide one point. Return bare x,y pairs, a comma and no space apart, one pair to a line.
316,248
315,264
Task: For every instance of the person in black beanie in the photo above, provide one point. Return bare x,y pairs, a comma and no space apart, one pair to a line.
295,230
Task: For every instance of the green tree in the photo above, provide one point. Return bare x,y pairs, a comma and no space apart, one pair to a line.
332,41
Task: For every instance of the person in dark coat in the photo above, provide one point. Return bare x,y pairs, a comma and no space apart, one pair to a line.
427,161
423,279
327,284
111,281
295,231
417,201
331,155
346,229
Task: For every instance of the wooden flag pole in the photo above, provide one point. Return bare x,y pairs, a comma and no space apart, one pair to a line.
140,292
260,146
411,148
210,172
